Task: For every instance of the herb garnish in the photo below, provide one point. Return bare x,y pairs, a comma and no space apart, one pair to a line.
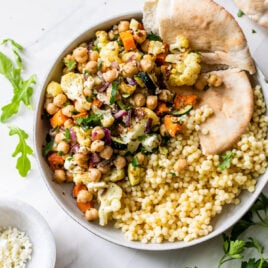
89,121
22,148
70,64
113,92
226,160
153,37
48,148
135,162
240,13
67,135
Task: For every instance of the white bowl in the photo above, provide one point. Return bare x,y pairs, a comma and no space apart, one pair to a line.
62,193
15,213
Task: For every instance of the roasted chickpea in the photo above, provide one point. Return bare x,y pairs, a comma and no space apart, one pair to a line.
97,133
140,36
130,69
59,175
201,83
63,147
180,165
110,75
68,110
139,99
92,67
123,26
215,81
107,152
165,95
145,46
80,54
79,107
87,92
97,146
92,214
59,137
120,162
68,123
84,196
81,159
51,108
94,55
151,102
163,130
95,174
146,64
104,168
141,158
59,100
69,176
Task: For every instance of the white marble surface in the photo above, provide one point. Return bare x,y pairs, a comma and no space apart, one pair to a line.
44,28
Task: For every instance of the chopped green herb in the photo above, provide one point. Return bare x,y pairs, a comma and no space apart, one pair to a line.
60,153
22,89
66,103
153,37
240,13
123,106
48,148
172,173
89,121
99,64
142,138
226,160
119,42
67,135
23,163
70,64
114,92
95,48
135,162
253,31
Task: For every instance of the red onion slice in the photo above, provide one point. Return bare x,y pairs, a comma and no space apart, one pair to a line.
120,113
148,127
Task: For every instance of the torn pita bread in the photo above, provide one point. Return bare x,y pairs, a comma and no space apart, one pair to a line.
257,10
210,29
233,106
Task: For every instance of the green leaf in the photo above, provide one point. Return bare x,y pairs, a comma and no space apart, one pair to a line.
70,64
236,248
23,150
48,148
67,135
135,162
89,121
16,48
13,43
253,243
226,160
153,37
240,13
114,92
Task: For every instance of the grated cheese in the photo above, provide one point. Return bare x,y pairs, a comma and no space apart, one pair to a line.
15,248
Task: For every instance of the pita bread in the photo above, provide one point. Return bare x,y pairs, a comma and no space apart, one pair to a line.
233,106
257,10
210,29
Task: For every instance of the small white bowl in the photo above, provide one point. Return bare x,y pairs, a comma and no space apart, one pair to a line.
18,214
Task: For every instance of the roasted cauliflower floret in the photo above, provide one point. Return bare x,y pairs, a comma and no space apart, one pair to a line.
109,53
181,44
156,47
102,39
110,201
185,72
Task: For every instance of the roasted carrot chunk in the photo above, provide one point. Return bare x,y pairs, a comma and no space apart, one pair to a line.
128,40
181,101
161,108
85,206
97,103
77,188
79,115
58,119
55,161
171,124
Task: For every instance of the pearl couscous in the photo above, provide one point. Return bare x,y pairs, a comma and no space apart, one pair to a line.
131,146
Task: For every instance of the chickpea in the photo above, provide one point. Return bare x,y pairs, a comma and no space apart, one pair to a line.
63,147
110,75
84,196
97,146
146,64
120,162
79,107
145,46
97,133
151,102
87,92
93,55
51,108
139,99
104,169
59,137
140,36
107,152
59,175
180,165
59,100
130,69
69,176
80,54
201,83
81,159
92,67
68,123
215,81
123,26
95,174
112,35
92,214
68,110
141,158
165,95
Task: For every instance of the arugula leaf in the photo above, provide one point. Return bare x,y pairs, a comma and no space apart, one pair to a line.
23,162
226,160
153,37
22,89
114,92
